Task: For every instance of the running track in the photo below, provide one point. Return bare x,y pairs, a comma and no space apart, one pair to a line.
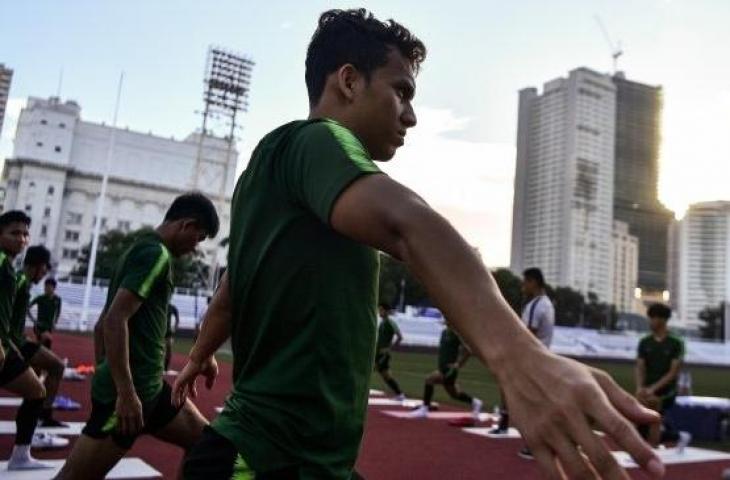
392,449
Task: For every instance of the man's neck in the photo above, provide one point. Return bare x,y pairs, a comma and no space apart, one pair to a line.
164,232
661,334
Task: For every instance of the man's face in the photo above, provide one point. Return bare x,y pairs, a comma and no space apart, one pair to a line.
382,109
49,289
14,238
188,236
657,324
382,311
529,287
38,272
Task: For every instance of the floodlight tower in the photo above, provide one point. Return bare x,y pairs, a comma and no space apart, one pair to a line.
227,85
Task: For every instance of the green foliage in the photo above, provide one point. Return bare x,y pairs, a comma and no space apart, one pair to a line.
510,285
392,275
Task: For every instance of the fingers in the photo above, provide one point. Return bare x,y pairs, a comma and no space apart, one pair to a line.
595,449
623,432
546,461
625,403
576,464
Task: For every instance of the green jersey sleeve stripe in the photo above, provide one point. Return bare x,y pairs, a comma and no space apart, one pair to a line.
2,257
354,150
144,289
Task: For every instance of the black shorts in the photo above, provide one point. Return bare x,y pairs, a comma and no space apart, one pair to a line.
156,413
29,349
40,331
382,362
13,366
214,457
450,375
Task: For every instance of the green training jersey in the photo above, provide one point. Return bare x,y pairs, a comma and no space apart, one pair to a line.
449,346
49,308
145,269
20,309
658,357
7,296
386,332
304,315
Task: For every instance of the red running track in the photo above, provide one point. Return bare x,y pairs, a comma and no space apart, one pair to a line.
392,448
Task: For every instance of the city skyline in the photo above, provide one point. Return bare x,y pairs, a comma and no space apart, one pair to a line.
461,156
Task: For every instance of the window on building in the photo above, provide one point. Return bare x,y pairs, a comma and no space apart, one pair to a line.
47,212
103,222
72,236
70,253
62,125
28,208
44,121
38,144
73,218
31,184
44,230
57,149
51,190
123,225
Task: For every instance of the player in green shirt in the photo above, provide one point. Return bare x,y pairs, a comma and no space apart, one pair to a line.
299,297
659,359
49,309
387,331
128,394
16,375
452,355
36,263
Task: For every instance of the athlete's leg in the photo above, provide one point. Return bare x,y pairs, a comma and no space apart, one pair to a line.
26,385
185,430
91,459
434,378
212,458
391,382
46,360
456,393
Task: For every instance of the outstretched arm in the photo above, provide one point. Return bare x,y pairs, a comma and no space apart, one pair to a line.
377,211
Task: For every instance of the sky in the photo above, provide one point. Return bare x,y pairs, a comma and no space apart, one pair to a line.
461,155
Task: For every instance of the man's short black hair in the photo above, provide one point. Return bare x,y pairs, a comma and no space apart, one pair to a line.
385,306
51,281
535,274
659,310
358,38
37,255
13,216
197,206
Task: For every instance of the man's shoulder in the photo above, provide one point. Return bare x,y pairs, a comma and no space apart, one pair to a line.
646,339
676,339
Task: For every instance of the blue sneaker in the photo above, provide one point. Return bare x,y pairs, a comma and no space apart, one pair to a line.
65,403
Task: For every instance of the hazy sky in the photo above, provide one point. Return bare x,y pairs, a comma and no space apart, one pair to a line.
461,155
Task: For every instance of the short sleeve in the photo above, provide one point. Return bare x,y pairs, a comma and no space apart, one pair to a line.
144,266
679,350
396,327
323,159
642,349
34,301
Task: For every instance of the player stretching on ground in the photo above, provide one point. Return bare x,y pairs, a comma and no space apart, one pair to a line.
658,363
298,300
16,375
35,266
128,394
452,355
49,309
387,330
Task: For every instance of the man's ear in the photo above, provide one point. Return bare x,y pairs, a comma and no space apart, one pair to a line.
348,81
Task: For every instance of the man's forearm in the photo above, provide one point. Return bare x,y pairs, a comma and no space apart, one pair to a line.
664,381
461,286
639,377
216,324
116,342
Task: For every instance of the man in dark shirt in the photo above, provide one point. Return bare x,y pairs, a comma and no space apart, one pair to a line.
49,309
387,331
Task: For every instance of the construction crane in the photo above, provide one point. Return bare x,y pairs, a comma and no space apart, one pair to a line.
616,50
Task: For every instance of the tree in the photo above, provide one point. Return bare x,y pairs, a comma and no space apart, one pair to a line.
569,305
187,271
510,285
393,274
714,322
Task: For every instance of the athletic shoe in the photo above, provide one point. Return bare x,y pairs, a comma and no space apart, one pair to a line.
28,463
499,431
400,397
65,403
72,374
51,423
420,412
684,439
48,441
526,453
476,408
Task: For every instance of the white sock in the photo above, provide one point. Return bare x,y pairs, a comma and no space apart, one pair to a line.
21,459
20,452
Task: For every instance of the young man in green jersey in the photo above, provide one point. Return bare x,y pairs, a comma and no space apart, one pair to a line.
129,396
16,375
36,263
299,297
659,359
49,309
452,355
387,331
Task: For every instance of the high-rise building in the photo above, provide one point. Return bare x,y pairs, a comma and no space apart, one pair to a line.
564,181
624,268
6,76
58,162
636,178
700,259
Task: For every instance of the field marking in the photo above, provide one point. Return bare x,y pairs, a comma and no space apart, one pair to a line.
127,469
671,456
